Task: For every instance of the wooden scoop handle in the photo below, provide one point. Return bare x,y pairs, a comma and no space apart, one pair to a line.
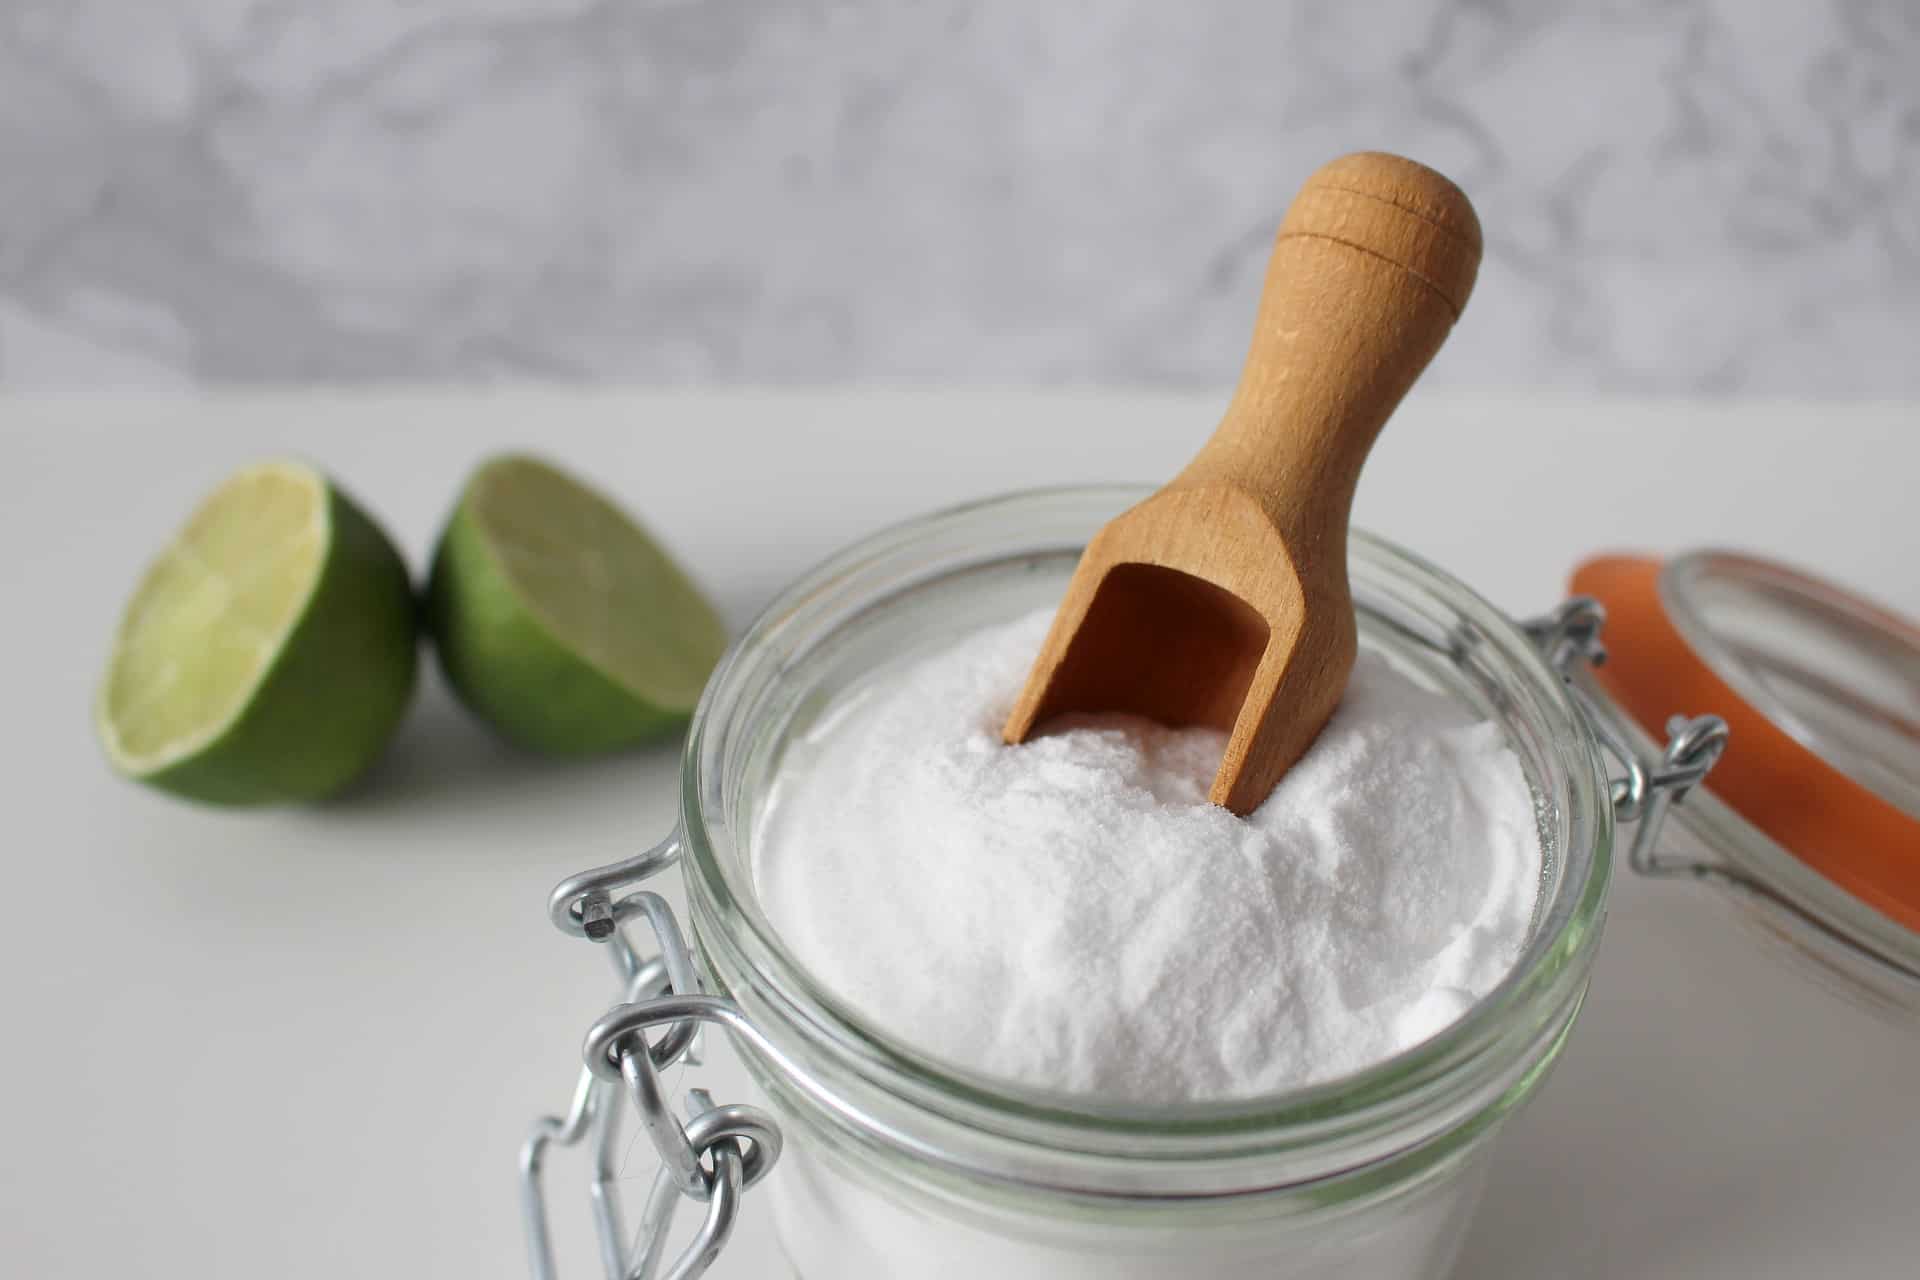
1373,264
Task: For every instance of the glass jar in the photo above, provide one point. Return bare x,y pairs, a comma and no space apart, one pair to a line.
900,1166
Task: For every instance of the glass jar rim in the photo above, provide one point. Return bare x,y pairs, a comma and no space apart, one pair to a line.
1457,1072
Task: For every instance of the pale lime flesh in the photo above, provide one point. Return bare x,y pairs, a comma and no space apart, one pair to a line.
268,651
560,620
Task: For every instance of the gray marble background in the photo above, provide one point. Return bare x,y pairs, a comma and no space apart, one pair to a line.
1689,195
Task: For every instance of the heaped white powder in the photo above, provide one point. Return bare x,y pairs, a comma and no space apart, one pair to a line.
1072,914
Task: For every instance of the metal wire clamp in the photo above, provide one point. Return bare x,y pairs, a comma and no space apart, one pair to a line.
712,1156
1569,635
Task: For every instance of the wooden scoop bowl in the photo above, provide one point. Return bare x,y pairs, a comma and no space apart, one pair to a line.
1223,599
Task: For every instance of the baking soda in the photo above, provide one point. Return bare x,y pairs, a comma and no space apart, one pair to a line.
1072,914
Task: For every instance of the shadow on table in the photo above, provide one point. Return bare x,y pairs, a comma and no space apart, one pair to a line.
444,755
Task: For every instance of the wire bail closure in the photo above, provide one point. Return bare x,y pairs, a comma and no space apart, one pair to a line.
1570,634
712,1156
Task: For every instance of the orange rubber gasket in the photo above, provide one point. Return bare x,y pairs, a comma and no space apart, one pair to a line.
1853,837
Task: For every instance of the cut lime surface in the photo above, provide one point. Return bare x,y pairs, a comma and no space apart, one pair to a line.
268,652
559,620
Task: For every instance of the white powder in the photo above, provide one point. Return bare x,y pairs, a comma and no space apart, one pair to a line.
1072,914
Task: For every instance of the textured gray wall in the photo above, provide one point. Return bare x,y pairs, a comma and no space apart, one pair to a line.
1686,195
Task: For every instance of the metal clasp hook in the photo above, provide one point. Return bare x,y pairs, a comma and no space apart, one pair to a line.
1569,634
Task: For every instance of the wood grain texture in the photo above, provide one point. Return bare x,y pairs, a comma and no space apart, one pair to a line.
1223,599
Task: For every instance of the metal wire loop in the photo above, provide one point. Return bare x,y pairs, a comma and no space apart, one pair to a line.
721,1129
679,964
1693,746
600,1048
1645,788
1570,631
678,1157
733,1124
582,905
729,1179
1569,634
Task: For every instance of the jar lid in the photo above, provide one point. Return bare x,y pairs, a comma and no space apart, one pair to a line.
1819,687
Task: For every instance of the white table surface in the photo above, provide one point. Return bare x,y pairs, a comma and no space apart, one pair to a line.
307,1043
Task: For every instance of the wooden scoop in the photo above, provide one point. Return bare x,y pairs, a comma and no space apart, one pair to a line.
1223,600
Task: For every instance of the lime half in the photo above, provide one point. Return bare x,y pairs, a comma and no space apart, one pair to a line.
269,651
559,620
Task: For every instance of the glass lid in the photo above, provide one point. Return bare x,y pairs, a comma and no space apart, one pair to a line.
1815,804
